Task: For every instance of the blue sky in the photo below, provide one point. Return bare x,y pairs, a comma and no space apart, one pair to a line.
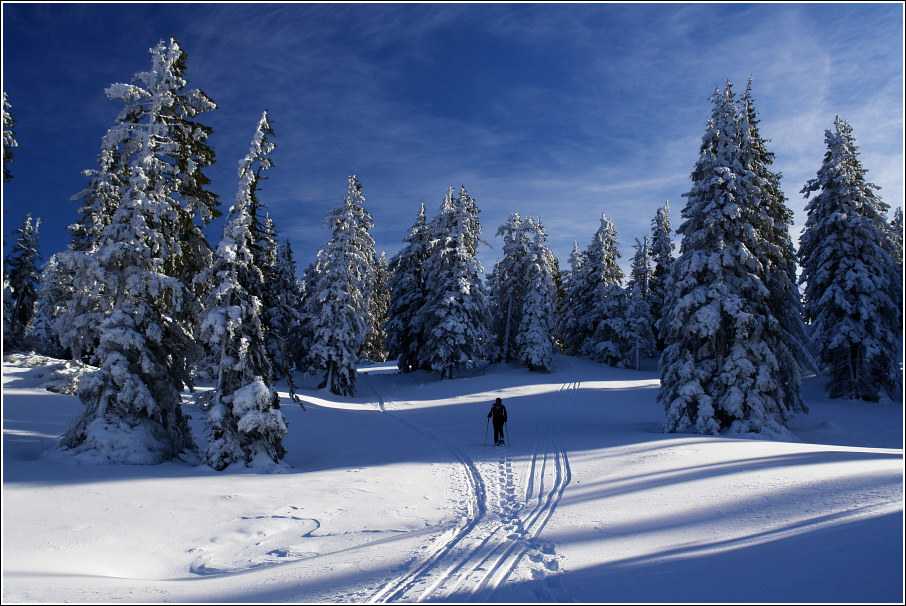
562,111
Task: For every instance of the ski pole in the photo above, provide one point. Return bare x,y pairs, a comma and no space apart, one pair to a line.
506,428
486,431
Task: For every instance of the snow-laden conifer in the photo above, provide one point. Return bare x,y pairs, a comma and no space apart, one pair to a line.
641,269
662,255
638,327
534,339
161,96
507,289
337,305
9,140
158,97
405,335
455,314
720,367
23,274
639,324
132,402
566,322
596,300
52,296
896,237
852,285
285,316
777,255
243,408
378,305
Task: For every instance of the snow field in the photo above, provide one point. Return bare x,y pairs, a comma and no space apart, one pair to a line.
393,495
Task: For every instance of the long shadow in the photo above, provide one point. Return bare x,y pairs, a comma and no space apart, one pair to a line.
606,488
834,562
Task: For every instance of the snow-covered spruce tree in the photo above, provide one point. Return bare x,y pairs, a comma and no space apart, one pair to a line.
896,237
534,341
284,316
455,314
337,304
243,410
277,290
132,403
662,254
852,286
9,141
160,95
407,295
601,301
638,328
777,256
566,322
182,155
506,290
896,246
52,294
719,369
373,348
641,269
23,276
186,159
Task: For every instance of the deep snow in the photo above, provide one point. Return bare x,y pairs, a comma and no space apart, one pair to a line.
393,495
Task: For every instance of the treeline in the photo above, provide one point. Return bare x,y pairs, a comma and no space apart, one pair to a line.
142,295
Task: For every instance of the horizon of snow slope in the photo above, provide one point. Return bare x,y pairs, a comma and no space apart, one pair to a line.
393,495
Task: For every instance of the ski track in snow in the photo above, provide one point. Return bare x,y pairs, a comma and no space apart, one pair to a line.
473,560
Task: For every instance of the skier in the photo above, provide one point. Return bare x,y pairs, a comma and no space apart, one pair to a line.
498,415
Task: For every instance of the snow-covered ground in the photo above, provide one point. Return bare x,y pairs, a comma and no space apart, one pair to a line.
393,496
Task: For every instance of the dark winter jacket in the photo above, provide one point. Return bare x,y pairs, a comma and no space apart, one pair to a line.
498,411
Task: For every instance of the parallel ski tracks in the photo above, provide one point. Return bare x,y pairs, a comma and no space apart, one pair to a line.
487,545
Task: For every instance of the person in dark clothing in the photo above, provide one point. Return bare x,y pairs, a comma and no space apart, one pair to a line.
498,416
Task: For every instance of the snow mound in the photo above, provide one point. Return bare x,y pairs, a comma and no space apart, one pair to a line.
52,374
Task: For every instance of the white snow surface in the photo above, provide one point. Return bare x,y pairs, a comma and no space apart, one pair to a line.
392,495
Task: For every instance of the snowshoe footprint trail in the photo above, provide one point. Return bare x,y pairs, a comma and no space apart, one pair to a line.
501,528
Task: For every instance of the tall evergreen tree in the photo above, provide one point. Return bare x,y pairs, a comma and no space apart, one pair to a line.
507,289
720,367
42,335
642,268
896,238
662,255
9,141
161,96
378,305
523,296
534,339
158,96
285,316
243,414
852,286
338,301
777,255
594,307
455,314
407,295
23,276
638,326
149,247
566,322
